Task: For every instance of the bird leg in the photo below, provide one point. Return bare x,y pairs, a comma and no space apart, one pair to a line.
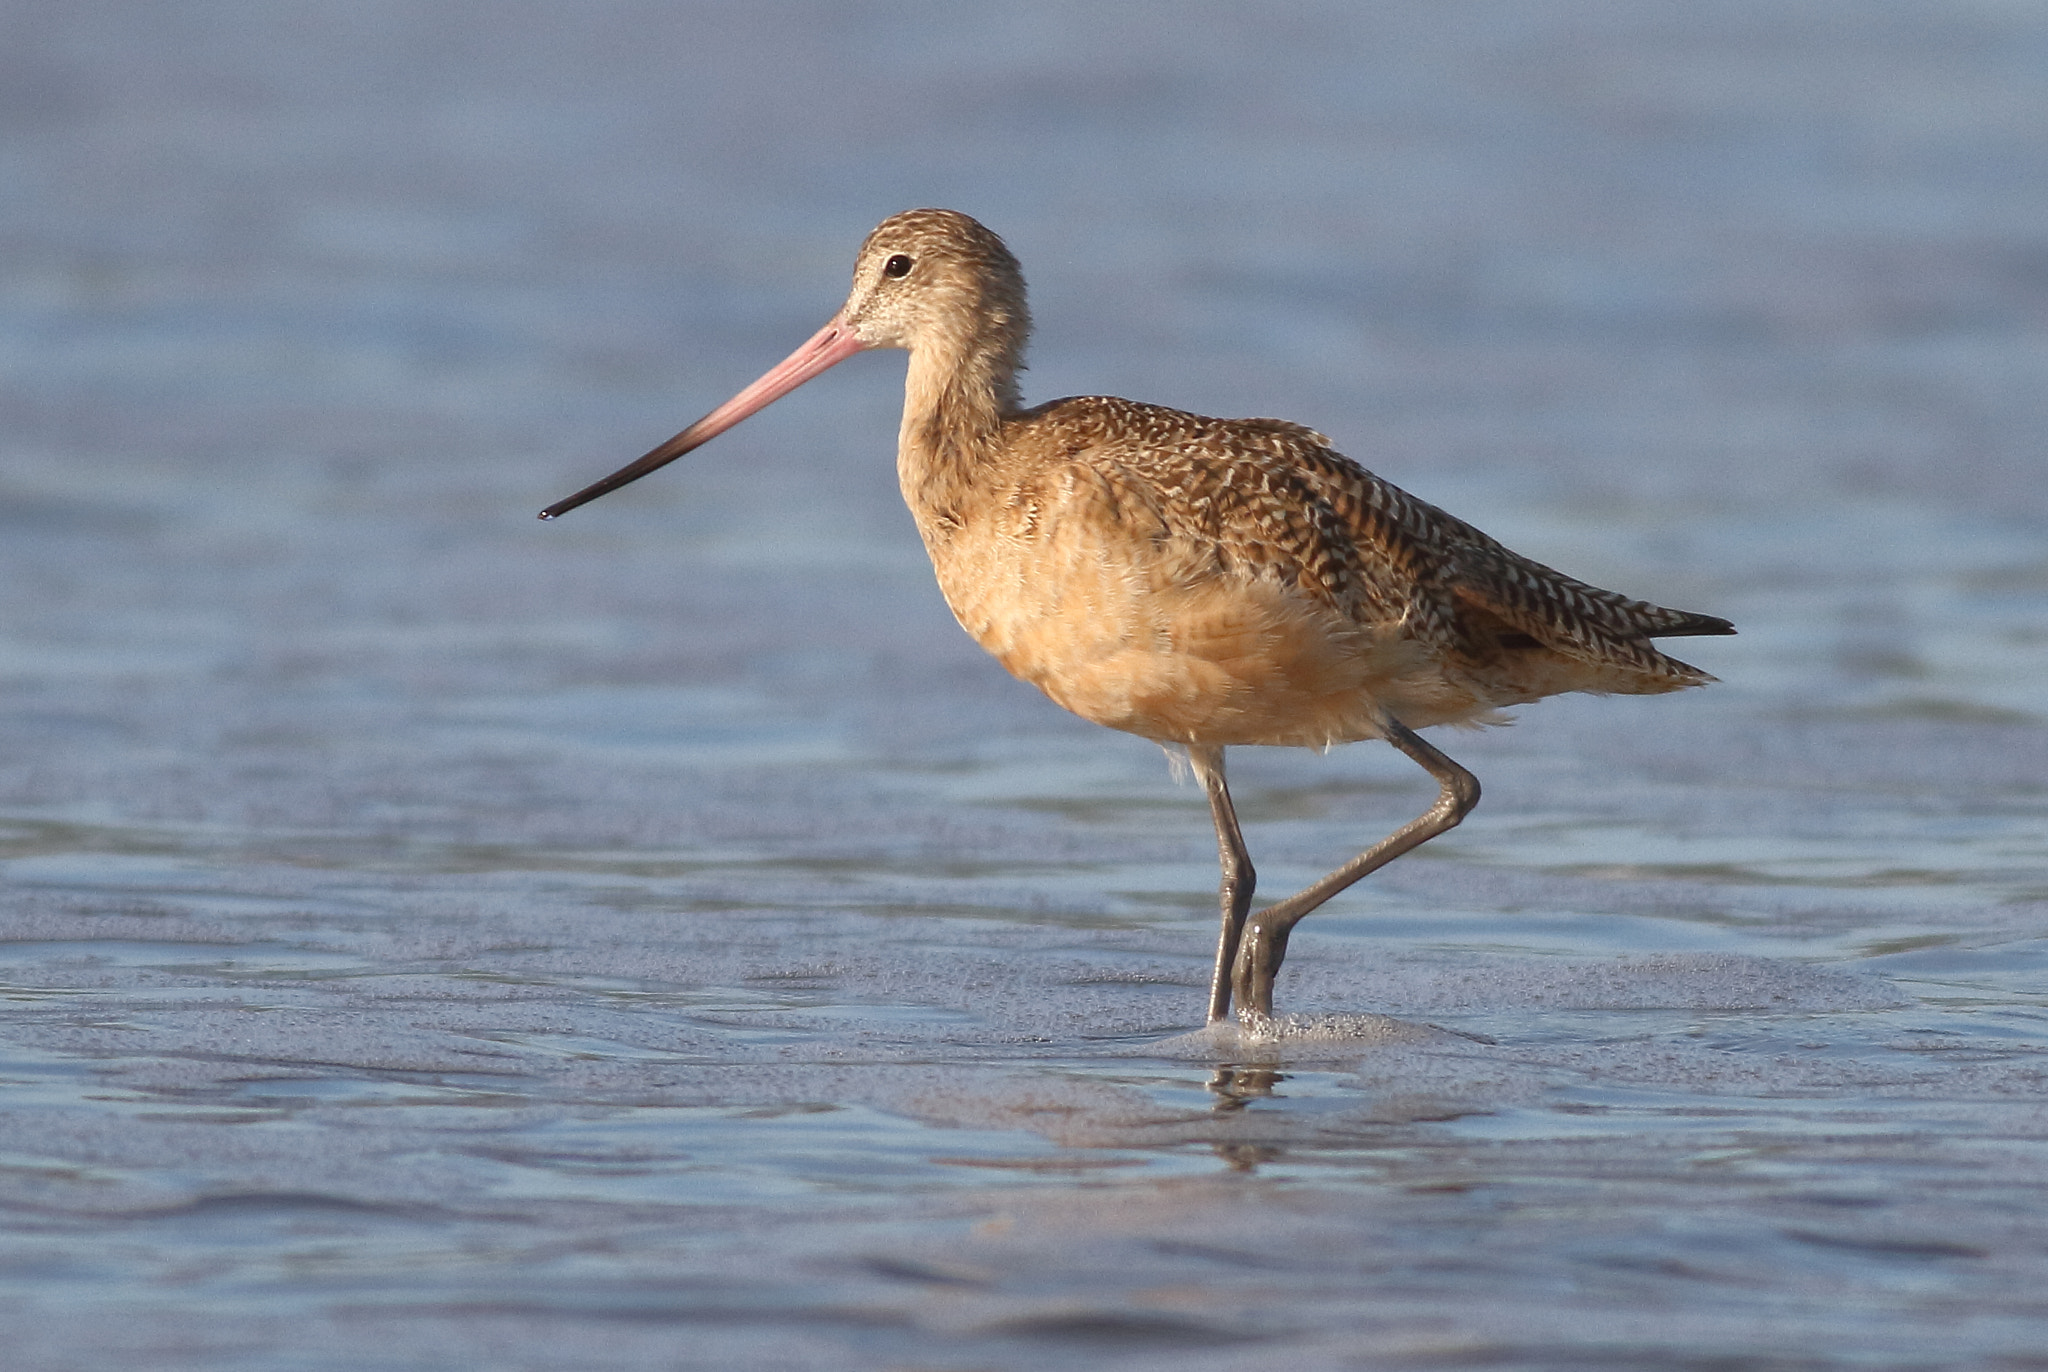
1262,941
1239,880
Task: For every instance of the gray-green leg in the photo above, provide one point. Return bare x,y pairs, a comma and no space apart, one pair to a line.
1262,939
1239,880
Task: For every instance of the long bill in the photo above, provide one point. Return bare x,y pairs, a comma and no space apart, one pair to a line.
827,348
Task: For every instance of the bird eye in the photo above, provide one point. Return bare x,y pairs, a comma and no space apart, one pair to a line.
899,265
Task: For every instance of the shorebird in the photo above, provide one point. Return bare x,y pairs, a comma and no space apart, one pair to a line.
1199,582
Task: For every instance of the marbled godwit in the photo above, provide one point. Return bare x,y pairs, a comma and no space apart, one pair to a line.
1201,582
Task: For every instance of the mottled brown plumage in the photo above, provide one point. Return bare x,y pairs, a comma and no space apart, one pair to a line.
1201,582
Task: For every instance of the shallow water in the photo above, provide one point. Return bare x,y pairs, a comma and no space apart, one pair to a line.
430,939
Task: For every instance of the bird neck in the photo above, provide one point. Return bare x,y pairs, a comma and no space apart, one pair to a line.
955,401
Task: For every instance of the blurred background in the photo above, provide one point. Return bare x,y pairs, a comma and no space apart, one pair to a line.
429,937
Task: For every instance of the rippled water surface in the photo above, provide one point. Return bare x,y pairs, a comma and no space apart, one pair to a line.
433,939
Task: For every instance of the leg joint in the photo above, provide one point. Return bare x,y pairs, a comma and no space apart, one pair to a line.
1461,788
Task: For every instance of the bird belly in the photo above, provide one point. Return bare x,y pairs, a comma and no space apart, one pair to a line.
1182,653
